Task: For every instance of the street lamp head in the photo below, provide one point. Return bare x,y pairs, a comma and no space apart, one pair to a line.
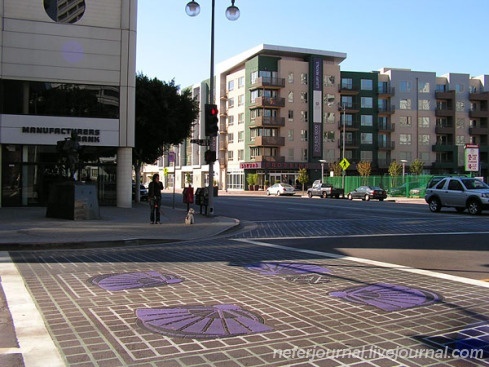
192,9
232,12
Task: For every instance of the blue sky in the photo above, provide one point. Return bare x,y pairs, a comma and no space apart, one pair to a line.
424,35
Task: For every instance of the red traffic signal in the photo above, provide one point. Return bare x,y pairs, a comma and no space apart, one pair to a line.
211,120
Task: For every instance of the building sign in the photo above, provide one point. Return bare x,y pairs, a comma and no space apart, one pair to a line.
471,157
84,135
317,110
278,165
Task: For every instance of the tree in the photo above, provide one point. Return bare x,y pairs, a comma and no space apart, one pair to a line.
303,178
364,168
336,168
416,167
163,117
395,170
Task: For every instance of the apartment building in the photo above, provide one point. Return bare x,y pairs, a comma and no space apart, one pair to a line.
283,108
66,66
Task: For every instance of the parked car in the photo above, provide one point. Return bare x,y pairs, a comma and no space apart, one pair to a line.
281,189
460,193
143,192
402,190
368,192
324,190
418,192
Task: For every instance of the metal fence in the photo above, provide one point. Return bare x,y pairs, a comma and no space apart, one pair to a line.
406,186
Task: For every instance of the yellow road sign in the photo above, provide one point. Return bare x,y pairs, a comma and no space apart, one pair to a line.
344,164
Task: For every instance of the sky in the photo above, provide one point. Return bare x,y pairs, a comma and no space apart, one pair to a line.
438,36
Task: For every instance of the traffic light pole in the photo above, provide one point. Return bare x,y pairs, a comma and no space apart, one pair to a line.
211,100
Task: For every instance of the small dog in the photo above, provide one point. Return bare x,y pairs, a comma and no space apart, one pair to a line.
189,219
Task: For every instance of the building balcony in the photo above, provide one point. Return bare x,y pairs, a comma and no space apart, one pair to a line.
445,95
349,144
269,102
386,145
386,110
269,158
350,108
444,129
223,144
267,121
386,92
479,113
387,127
484,96
443,148
348,91
268,141
348,127
444,112
269,83
446,164
477,130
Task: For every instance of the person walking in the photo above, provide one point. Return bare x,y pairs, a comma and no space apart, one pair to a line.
154,196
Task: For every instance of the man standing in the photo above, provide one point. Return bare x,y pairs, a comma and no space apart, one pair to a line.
154,196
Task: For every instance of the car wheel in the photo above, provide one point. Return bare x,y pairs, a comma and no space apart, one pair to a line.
381,199
434,205
268,193
277,193
367,197
309,194
474,207
460,210
324,195
350,197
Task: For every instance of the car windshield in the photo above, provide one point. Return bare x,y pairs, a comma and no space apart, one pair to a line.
473,184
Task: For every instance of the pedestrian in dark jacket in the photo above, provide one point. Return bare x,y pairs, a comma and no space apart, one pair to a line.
154,198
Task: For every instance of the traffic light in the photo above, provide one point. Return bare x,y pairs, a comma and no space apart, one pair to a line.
211,120
210,156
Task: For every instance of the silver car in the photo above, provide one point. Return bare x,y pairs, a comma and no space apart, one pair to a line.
460,193
281,189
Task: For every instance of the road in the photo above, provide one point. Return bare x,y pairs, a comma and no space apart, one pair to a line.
397,233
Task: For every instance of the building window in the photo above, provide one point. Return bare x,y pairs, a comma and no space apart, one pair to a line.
230,85
303,135
460,106
290,97
240,136
241,100
405,86
291,115
366,155
304,116
366,138
424,121
230,155
423,105
405,139
63,11
304,97
424,139
460,124
460,139
329,80
241,118
290,135
304,78
346,101
230,120
366,84
424,87
367,120
405,104
366,102
459,88
405,121
329,99
329,117
346,83
304,154
241,82
290,154
231,102
240,154
291,78
329,136
230,138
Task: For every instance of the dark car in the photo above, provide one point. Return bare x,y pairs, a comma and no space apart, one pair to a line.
143,192
368,192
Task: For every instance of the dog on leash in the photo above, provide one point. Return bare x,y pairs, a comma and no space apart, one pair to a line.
189,219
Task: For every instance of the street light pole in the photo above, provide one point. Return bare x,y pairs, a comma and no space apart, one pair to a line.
232,13
344,143
403,161
322,161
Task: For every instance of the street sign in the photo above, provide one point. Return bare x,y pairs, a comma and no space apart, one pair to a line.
471,157
205,142
344,164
